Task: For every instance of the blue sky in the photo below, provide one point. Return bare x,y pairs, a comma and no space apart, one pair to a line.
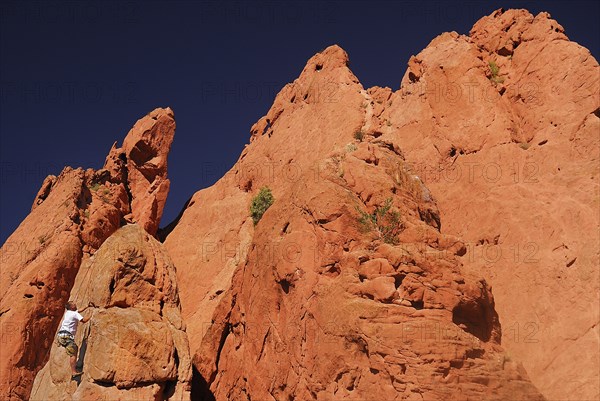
75,76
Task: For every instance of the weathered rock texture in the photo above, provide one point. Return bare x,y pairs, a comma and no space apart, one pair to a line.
514,166
321,310
135,346
71,217
502,128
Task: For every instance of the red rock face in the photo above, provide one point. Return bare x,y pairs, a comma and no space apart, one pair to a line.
513,164
72,215
135,345
371,275
326,309
499,130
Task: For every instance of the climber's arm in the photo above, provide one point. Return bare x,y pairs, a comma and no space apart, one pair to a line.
85,319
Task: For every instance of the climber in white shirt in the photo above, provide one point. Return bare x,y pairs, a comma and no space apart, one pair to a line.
67,331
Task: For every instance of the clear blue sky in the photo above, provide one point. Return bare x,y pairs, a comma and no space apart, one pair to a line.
76,75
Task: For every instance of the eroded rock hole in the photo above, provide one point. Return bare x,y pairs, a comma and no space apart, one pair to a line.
417,304
332,269
37,284
141,153
111,287
247,186
285,286
474,318
368,296
457,363
398,278
267,127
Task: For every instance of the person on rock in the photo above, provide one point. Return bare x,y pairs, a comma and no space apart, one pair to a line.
67,331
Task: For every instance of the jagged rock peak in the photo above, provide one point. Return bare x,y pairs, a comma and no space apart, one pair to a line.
71,217
330,58
142,162
324,81
502,31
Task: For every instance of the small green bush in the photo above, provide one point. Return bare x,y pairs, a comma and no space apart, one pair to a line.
359,136
495,70
95,186
386,221
260,203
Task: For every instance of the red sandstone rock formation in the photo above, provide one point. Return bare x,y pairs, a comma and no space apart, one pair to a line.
513,163
501,129
142,163
134,346
371,275
72,215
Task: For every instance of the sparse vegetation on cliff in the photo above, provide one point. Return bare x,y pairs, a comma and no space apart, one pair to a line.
494,71
359,136
386,221
260,203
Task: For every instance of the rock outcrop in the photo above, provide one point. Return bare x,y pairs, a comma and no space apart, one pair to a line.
141,163
72,215
501,129
512,159
135,345
370,276
329,306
